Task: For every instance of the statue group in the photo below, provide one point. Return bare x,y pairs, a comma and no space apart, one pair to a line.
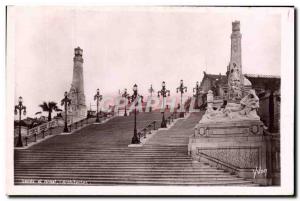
246,109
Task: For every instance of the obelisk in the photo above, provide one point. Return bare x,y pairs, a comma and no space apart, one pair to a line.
235,76
78,107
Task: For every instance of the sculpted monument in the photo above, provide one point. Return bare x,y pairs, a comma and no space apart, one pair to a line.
230,136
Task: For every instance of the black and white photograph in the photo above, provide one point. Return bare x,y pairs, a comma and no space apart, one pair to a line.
157,100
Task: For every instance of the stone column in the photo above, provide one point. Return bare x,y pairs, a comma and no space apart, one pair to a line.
235,77
76,93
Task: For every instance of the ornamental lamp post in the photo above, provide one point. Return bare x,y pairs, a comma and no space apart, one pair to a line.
197,91
135,99
19,108
126,96
163,92
181,89
98,97
66,102
151,90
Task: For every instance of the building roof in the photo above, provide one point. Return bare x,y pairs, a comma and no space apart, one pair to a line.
213,76
261,76
264,81
249,80
220,79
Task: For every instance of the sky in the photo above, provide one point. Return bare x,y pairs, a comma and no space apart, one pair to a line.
127,46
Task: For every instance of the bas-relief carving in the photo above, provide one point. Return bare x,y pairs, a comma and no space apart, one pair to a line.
217,131
235,83
238,157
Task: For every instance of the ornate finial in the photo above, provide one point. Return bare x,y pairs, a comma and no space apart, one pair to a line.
78,51
236,26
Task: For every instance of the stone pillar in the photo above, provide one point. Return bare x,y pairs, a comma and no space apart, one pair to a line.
271,111
210,99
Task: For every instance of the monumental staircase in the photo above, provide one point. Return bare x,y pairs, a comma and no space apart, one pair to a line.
99,155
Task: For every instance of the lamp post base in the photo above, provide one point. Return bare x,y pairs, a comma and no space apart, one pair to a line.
97,120
66,130
163,122
181,114
19,143
135,139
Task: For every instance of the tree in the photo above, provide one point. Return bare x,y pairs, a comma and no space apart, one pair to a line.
49,107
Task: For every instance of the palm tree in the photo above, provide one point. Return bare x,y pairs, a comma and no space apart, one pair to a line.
49,107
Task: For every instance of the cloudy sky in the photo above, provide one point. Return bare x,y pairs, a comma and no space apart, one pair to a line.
124,46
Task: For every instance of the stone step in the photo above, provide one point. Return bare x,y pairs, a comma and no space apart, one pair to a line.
128,177
101,160
110,157
107,157
121,148
124,171
126,174
98,171
123,168
143,183
170,138
105,148
107,164
141,179
97,166
162,143
136,152
154,181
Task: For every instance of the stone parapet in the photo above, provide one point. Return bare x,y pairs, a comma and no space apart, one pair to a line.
237,146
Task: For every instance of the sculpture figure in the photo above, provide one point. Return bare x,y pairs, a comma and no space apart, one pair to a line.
235,83
246,109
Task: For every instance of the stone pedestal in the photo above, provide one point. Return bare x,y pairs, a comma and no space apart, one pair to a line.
79,114
75,116
238,146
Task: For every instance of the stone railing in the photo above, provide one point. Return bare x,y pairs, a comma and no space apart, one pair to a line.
172,117
38,132
217,163
147,130
152,126
42,131
79,124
